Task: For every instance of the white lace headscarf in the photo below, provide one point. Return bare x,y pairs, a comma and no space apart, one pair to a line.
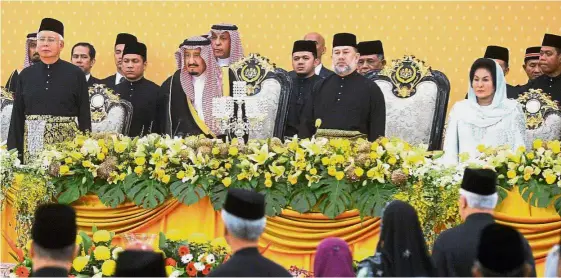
501,107
30,37
213,82
236,49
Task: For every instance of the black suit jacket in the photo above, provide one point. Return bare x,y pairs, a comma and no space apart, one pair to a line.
50,272
455,249
109,81
324,72
94,80
249,263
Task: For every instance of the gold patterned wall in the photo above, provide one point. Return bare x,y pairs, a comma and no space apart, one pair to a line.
449,36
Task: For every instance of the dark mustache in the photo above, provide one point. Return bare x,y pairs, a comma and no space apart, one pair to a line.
193,65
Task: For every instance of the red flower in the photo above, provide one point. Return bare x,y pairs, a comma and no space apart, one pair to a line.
206,271
183,250
171,262
191,270
22,271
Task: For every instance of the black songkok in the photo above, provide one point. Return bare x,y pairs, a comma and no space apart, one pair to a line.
135,48
51,24
309,46
551,40
500,249
480,181
245,204
344,39
54,226
370,48
496,52
124,38
532,53
136,263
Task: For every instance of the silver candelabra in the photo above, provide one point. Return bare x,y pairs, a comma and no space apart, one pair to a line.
254,107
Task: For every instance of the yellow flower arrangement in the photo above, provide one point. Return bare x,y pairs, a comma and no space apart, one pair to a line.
101,236
80,262
108,267
102,253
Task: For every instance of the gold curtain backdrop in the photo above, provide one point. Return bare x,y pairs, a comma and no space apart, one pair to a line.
448,35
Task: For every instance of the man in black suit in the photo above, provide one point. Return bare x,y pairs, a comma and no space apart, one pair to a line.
113,80
83,56
455,250
54,240
320,70
244,218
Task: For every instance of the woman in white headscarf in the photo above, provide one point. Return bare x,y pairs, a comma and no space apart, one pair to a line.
487,117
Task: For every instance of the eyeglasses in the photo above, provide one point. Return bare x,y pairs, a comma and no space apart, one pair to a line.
49,40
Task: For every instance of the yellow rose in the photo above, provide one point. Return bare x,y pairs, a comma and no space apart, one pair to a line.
268,183
140,160
374,146
359,172
64,169
392,161
481,148
241,176
550,178
101,236
293,179
227,181
339,175
120,147
538,143
313,171
87,163
166,178
174,235
215,150
102,253
138,170
373,155
169,270
511,174
554,146
79,240
228,166
104,150
325,161
332,171
233,151
180,175
530,156
371,173
68,160
79,263
527,177
100,156
384,141
198,238
122,176
108,268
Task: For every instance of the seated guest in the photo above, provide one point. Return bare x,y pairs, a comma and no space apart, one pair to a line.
550,64
333,259
401,250
531,64
345,101
320,70
83,56
371,56
244,218
137,263
486,117
54,240
141,92
303,80
187,94
226,44
31,57
455,249
500,253
122,39
500,55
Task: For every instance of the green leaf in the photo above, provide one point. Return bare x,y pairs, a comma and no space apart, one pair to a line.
503,193
148,193
218,196
275,201
162,242
74,190
371,199
338,197
187,193
86,240
557,205
111,195
303,200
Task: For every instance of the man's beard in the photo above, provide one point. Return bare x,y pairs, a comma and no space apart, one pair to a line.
343,70
35,57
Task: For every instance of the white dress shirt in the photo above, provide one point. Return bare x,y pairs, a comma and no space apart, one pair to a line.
118,78
88,77
318,68
199,86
